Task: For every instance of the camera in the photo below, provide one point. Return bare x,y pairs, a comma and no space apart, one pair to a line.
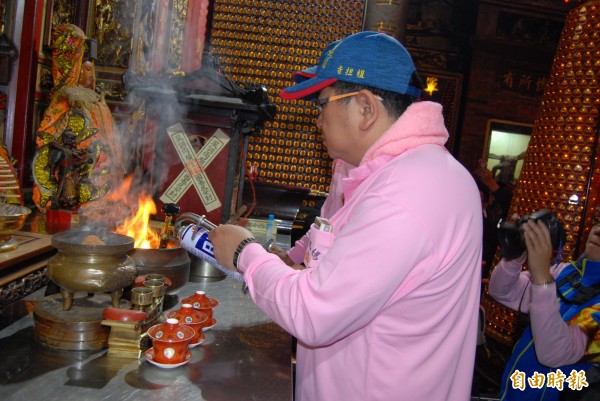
510,235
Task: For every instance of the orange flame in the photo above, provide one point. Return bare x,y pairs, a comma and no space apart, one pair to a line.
137,226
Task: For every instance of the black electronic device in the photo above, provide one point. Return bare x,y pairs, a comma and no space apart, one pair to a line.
510,234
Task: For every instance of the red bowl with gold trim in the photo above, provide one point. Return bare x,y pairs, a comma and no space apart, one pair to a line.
170,341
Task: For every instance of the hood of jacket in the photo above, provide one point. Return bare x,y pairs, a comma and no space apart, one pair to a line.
422,123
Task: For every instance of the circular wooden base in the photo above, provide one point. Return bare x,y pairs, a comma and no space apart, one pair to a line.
80,328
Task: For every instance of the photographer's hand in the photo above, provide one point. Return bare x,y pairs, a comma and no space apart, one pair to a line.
539,251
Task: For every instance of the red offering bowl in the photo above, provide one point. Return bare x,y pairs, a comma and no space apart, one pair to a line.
192,318
170,341
200,301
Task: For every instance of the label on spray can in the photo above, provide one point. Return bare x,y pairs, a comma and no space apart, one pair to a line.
201,247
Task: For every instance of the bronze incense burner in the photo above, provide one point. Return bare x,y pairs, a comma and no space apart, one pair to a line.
91,261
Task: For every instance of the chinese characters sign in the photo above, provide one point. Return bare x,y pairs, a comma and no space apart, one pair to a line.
523,82
575,381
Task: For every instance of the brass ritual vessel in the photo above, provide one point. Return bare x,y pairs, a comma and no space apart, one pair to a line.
102,265
101,262
12,218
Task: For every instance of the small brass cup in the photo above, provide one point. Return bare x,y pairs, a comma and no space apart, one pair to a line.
158,287
142,296
154,276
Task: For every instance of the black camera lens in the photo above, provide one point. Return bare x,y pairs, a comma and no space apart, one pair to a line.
510,239
510,235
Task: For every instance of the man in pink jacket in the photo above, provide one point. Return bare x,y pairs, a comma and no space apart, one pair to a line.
386,307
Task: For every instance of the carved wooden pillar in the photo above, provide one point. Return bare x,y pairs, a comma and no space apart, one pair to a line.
387,16
168,36
195,34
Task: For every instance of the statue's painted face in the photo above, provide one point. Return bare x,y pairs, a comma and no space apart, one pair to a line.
86,77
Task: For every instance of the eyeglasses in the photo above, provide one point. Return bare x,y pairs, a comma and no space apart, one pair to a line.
325,100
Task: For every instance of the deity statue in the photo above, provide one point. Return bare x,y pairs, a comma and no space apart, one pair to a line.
78,156
67,165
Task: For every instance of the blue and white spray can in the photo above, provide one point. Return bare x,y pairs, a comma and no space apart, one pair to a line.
194,239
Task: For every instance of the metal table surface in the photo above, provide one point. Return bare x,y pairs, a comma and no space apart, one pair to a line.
245,357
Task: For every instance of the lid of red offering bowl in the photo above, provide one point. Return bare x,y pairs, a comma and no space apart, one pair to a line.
188,315
200,300
171,331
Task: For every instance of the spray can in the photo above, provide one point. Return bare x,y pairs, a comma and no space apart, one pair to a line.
194,239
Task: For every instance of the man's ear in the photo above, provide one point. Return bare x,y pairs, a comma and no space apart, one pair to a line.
367,106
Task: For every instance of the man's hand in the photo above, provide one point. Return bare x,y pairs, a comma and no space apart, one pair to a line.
282,255
225,239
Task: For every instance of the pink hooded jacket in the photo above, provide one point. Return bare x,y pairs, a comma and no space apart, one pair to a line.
387,307
333,202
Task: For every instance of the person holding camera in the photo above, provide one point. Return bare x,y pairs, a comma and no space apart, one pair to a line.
562,340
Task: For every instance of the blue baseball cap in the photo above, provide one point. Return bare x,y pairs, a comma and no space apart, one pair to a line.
366,58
